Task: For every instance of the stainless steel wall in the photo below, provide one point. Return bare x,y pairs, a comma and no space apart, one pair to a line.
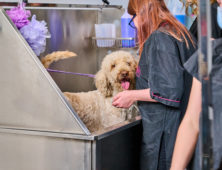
72,29
69,31
30,152
29,98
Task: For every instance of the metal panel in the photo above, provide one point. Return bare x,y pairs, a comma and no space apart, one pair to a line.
119,151
32,150
93,2
112,130
26,152
83,2
9,0
205,65
29,97
70,30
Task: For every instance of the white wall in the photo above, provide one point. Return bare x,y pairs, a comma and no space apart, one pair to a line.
119,2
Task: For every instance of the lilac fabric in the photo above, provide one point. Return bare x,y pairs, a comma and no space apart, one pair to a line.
35,34
19,15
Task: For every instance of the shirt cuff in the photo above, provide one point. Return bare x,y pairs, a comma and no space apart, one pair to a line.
164,100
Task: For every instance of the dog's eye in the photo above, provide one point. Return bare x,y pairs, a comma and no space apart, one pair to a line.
113,65
129,64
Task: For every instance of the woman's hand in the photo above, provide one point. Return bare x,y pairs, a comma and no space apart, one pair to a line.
124,99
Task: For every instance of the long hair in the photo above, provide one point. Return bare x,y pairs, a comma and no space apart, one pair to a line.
193,4
151,14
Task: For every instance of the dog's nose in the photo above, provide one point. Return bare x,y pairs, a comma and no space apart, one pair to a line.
124,73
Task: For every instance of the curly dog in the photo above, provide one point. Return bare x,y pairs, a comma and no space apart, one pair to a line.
95,108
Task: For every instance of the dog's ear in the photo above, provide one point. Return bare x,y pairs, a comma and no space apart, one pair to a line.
103,84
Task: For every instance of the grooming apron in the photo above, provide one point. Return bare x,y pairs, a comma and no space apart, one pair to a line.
161,69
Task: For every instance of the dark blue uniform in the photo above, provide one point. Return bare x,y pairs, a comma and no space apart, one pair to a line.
161,69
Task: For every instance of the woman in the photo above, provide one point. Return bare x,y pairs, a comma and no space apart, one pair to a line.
189,129
216,30
162,84
219,13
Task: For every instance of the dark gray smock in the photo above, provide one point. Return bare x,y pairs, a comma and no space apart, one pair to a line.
161,69
216,95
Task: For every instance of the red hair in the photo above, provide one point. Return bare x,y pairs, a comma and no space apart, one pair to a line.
151,14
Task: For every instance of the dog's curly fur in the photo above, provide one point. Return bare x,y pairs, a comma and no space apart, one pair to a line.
95,107
55,56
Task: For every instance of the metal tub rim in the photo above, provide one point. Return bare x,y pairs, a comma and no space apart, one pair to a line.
94,136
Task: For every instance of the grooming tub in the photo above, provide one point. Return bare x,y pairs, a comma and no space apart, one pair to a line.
39,130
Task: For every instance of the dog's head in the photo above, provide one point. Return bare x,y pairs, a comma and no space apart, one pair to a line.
117,73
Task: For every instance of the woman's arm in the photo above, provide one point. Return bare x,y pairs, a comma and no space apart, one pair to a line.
126,98
188,131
